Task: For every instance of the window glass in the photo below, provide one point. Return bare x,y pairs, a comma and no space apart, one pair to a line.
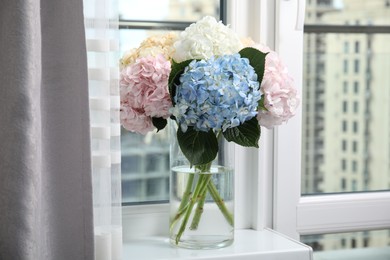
160,14
356,87
365,245
348,12
145,158
167,10
346,47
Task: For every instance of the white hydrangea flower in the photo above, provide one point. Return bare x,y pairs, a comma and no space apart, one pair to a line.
204,39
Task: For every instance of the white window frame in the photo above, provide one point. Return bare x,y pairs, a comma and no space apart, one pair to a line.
296,215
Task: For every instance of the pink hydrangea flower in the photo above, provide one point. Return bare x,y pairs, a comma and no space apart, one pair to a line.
144,93
280,96
135,120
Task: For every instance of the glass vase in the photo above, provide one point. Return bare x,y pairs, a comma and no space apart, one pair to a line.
201,198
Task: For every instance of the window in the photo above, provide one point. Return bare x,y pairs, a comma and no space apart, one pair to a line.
345,106
345,87
354,185
354,146
359,111
356,66
344,126
344,164
357,45
344,145
355,127
356,87
345,66
356,107
353,243
354,166
346,47
316,205
343,184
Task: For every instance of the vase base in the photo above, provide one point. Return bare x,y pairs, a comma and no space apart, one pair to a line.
202,242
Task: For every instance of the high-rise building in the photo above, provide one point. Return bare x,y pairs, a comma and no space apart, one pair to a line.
346,136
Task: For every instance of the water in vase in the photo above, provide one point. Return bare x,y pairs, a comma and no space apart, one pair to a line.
208,225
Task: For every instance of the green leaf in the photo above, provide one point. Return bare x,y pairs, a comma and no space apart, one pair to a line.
159,123
199,147
256,60
247,134
174,77
261,105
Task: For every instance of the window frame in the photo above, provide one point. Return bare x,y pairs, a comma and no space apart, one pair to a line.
294,214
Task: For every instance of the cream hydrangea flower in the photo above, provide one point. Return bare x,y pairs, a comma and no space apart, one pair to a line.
204,39
152,46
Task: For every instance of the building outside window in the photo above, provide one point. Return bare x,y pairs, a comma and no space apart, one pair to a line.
366,26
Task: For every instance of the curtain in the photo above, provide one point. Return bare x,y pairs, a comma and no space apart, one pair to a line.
102,34
45,167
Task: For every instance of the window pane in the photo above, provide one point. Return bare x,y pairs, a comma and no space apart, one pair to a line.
348,12
365,245
145,166
346,98
168,10
145,159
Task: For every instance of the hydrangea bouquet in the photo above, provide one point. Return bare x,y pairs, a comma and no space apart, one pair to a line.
213,87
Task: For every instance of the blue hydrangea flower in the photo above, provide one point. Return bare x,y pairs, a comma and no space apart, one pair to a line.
218,94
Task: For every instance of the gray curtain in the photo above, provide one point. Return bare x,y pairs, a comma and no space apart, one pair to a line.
45,167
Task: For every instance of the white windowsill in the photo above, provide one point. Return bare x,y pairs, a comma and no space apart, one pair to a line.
248,245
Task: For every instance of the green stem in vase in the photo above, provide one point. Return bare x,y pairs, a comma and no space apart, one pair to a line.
201,183
184,201
199,206
220,203
205,169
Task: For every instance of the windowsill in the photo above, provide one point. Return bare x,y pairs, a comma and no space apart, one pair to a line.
248,245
